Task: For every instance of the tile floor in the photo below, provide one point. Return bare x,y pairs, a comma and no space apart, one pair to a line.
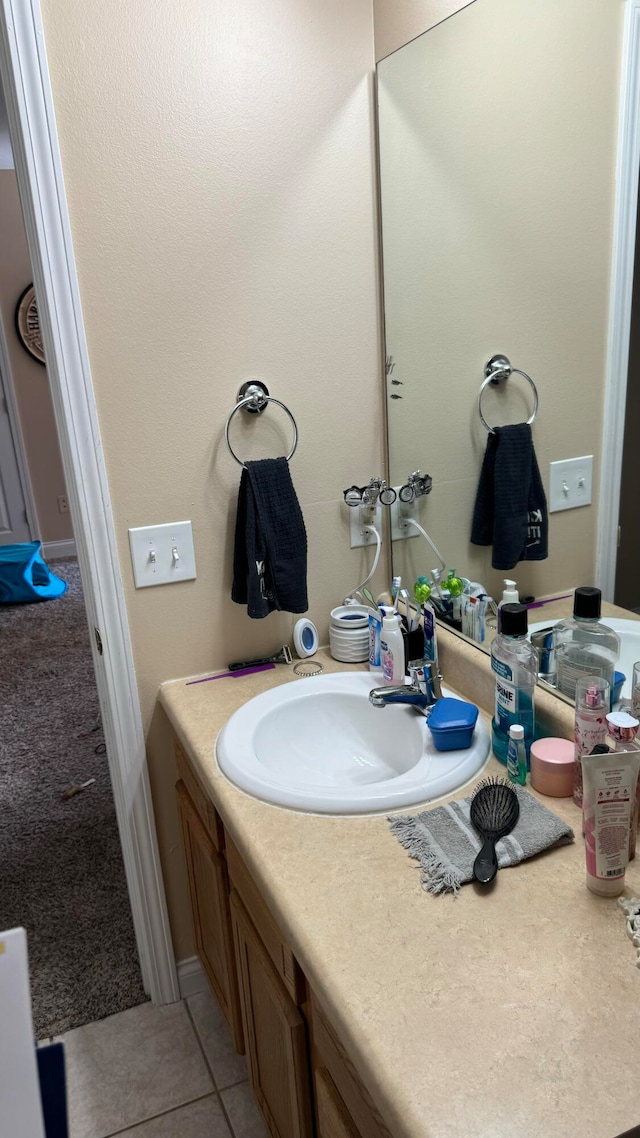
167,1072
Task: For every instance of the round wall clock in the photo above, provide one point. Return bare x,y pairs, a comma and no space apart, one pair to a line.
28,324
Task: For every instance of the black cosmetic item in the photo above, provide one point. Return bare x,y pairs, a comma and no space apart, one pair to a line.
494,812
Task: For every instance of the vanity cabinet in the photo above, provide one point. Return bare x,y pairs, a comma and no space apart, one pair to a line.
275,1035
302,1078
209,892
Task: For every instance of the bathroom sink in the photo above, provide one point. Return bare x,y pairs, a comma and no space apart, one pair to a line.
318,744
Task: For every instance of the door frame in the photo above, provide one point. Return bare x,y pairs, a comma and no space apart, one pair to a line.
25,73
7,389
620,301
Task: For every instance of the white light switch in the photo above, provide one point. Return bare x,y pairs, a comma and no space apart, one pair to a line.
162,555
570,483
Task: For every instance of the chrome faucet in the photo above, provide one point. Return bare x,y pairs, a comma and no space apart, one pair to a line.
422,693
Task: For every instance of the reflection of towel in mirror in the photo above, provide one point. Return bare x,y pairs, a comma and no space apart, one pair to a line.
511,508
270,553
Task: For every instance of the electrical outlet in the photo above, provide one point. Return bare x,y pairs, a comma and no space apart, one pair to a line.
63,504
570,483
400,511
361,516
162,555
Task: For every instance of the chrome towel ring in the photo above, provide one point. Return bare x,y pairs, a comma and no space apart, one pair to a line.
253,397
497,370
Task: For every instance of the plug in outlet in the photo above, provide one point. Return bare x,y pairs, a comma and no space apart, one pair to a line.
361,516
400,511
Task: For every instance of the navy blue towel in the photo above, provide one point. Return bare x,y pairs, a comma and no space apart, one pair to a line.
270,553
510,512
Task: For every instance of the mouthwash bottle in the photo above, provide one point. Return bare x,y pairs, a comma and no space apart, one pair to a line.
514,662
584,645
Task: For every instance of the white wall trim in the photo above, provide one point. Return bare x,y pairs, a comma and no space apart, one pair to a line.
24,68
191,978
621,295
7,386
52,549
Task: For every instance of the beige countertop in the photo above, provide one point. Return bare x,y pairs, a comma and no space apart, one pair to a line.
507,1014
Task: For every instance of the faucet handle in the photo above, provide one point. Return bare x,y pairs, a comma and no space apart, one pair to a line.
425,676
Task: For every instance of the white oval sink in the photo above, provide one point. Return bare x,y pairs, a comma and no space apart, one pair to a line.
318,744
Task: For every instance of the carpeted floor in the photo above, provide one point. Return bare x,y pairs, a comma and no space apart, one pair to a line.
61,871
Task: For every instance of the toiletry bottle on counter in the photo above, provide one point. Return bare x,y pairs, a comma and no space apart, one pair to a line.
585,646
593,696
392,648
510,596
622,731
609,782
516,755
514,662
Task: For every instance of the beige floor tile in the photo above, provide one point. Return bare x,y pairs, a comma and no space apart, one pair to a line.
228,1067
244,1116
130,1067
202,1119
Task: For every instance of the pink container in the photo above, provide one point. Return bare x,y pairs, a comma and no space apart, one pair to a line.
552,763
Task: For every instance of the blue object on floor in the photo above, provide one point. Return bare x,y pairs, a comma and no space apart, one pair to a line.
53,1090
24,576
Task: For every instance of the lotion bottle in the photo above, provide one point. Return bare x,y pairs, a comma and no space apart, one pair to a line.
392,648
593,696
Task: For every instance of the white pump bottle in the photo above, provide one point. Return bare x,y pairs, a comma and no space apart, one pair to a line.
392,648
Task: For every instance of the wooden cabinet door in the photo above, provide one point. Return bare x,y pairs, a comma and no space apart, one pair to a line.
275,1035
334,1120
209,889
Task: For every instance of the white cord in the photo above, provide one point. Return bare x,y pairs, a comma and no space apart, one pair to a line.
373,530
413,522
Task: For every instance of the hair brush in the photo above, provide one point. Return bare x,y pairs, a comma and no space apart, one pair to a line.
494,812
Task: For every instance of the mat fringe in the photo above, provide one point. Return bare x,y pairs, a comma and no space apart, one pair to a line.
435,876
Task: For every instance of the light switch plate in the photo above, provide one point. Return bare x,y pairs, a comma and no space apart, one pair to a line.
162,555
570,483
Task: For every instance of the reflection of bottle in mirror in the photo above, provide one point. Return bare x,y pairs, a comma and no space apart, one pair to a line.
622,731
635,690
593,696
510,596
585,646
514,662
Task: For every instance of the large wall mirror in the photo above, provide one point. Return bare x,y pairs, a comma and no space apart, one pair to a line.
497,137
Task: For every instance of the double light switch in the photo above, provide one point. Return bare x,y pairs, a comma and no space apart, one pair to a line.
162,555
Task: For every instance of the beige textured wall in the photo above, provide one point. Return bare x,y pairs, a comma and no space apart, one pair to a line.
398,21
218,161
497,202
29,377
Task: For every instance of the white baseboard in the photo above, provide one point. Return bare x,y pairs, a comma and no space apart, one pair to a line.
191,978
53,549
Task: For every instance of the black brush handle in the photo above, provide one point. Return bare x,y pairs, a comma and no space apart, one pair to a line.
250,663
485,866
